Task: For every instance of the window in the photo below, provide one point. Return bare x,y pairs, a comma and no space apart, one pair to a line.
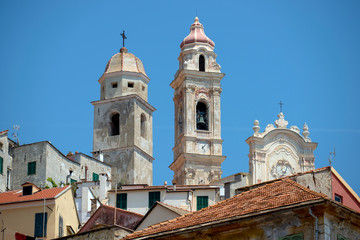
1,146
72,181
293,237
143,88
339,237
61,228
202,202
114,85
115,125
338,198
95,177
40,225
1,165
27,190
130,84
201,116
8,173
143,125
153,198
201,63
31,168
121,200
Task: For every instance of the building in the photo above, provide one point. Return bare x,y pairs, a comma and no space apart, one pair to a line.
281,210
123,121
38,212
198,144
140,198
6,146
35,163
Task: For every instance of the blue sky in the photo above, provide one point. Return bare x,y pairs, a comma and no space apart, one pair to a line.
305,53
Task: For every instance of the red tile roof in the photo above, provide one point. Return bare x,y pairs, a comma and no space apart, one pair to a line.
5,131
284,192
16,196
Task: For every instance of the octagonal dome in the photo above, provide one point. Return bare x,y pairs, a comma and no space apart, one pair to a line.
124,61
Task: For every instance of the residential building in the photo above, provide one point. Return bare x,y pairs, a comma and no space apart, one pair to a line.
282,209
40,213
140,198
6,159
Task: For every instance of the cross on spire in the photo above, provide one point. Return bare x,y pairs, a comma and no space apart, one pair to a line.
281,105
123,37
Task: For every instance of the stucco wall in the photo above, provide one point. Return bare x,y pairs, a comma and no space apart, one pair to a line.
157,215
347,198
7,163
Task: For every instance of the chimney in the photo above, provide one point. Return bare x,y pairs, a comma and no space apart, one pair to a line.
102,190
101,157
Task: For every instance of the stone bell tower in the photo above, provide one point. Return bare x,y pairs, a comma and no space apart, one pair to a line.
123,121
198,143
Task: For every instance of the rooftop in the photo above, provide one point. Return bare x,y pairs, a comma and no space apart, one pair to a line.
281,193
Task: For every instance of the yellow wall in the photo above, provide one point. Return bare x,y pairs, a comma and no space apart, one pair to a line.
20,217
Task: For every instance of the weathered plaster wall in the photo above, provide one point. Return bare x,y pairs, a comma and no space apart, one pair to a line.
108,233
5,181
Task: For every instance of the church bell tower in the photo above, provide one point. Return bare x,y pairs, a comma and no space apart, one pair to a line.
198,143
123,121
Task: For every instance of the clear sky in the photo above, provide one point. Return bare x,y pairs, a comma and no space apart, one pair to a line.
305,53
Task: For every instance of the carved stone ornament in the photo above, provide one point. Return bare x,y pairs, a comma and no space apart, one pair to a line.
256,127
201,92
306,132
281,122
281,168
189,173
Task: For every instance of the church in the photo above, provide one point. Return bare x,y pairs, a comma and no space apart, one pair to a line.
119,172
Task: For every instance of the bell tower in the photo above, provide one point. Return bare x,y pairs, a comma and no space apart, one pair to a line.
123,121
198,143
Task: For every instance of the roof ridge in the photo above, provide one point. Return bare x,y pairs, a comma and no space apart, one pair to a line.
122,210
172,206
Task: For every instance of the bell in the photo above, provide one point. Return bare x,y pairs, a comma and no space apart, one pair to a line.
201,120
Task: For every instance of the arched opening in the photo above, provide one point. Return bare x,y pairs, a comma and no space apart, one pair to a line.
201,63
201,116
180,119
115,125
143,125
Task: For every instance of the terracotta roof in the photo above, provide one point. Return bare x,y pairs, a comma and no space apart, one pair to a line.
16,196
197,35
284,192
104,215
5,131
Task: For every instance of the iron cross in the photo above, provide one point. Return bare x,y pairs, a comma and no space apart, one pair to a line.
123,37
281,104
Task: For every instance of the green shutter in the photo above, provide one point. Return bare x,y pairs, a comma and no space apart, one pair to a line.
293,237
1,165
339,237
121,201
31,168
95,177
40,225
153,198
72,181
202,202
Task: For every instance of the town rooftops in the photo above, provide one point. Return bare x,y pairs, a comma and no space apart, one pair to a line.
17,195
270,197
169,188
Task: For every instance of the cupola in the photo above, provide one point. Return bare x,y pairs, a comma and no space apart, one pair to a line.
197,35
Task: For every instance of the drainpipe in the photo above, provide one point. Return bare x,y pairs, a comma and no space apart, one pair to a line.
316,225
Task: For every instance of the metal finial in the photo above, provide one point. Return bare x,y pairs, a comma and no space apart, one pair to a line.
281,105
123,37
330,157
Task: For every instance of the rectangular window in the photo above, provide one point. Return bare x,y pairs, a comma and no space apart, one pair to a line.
95,177
31,168
338,198
130,84
114,85
1,165
153,198
202,202
40,225
121,200
293,237
61,228
27,190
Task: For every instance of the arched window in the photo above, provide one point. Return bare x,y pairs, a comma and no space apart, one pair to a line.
201,116
201,63
115,125
143,125
180,119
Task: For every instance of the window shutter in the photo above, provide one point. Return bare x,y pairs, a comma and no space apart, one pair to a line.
40,225
153,198
202,202
95,177
121,201
1,165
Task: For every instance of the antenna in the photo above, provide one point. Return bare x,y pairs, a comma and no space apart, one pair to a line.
16,128
332,157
